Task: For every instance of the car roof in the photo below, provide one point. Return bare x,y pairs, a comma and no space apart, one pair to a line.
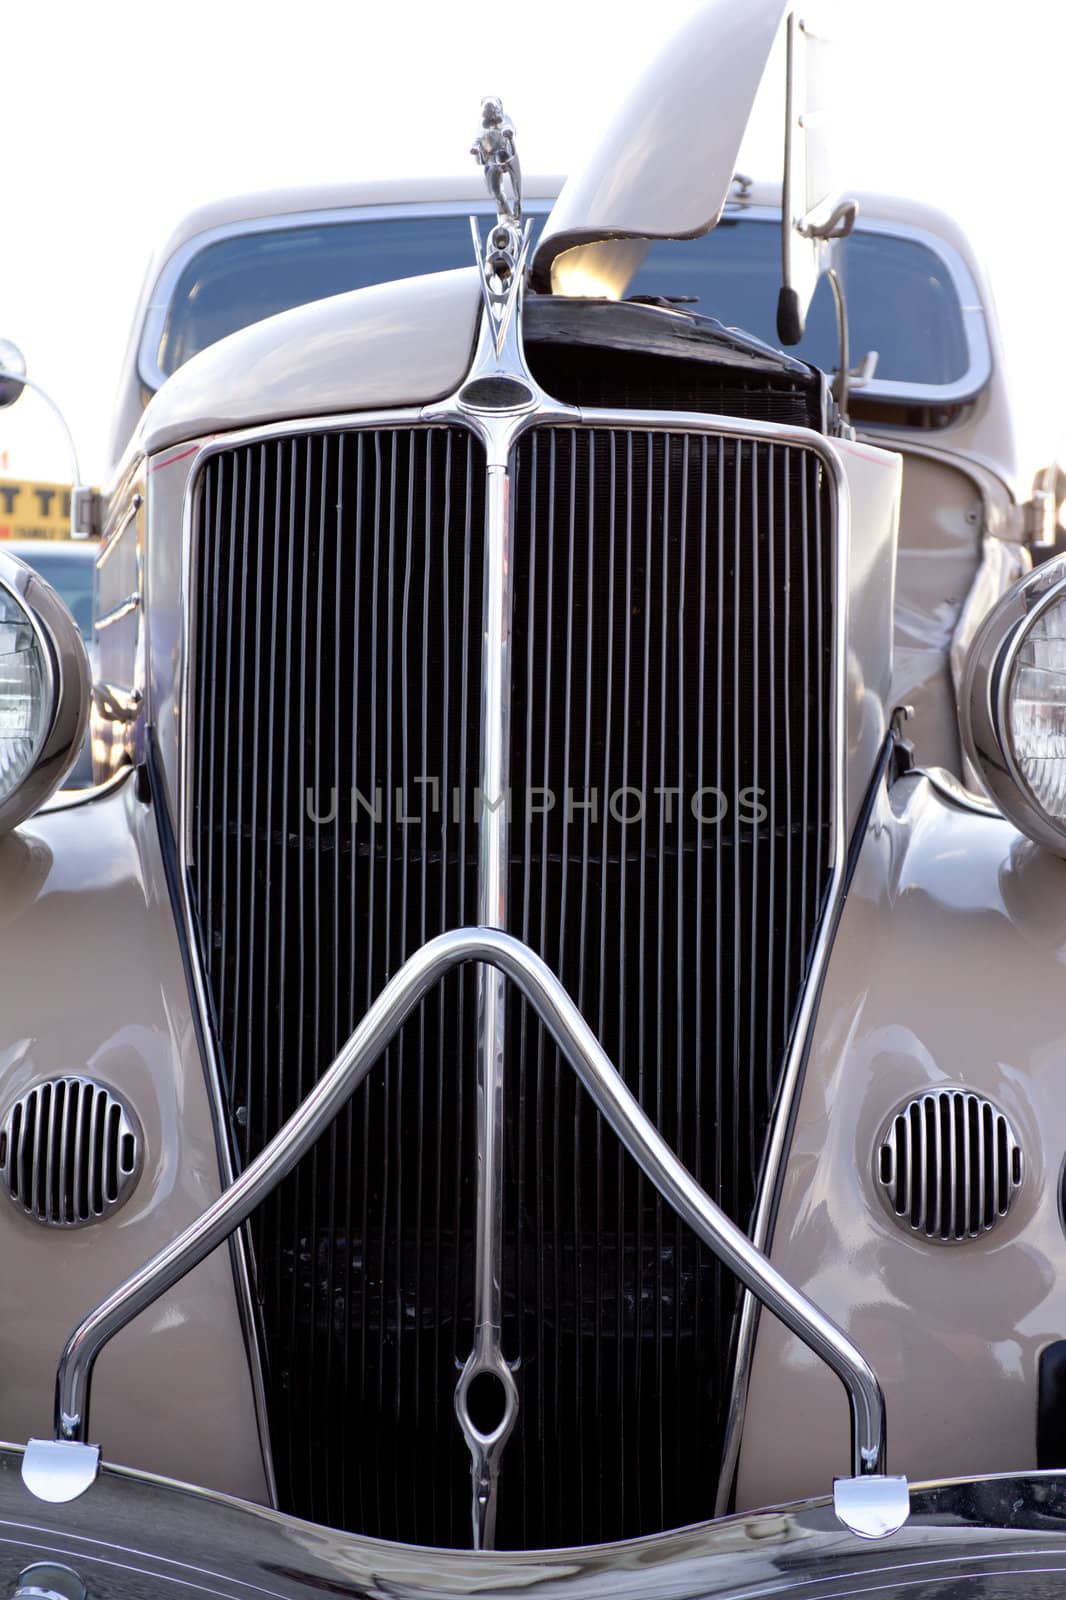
467,187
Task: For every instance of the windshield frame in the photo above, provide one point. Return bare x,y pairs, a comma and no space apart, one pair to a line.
975,328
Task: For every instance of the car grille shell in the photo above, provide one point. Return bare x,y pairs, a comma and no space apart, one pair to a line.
672,638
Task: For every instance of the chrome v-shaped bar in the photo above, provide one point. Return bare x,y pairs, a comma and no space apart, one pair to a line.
62,1468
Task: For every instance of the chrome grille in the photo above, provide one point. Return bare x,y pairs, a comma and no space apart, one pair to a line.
949,1165
70,1152
672,627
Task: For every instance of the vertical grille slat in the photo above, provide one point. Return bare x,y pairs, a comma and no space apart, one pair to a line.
383,1356
37,1119
741,1128
227,768
671,650
437,1107
242,767
301,1236
805,745
784,724
816,622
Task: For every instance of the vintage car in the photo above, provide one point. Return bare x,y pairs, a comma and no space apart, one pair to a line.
554,1081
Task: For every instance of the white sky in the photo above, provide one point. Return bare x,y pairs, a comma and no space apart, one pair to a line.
120,115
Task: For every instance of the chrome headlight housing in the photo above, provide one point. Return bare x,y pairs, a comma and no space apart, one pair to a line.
1013,704
44,691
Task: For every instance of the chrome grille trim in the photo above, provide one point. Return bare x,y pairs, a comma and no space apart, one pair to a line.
70,1152
676,422
932,1142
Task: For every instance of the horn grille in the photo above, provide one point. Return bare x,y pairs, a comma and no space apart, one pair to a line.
70,1152
948,1165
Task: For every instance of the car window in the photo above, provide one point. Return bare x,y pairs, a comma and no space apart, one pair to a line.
235,282
72,579
902,301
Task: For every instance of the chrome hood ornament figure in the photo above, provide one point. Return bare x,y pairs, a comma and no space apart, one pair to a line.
494,147
503,259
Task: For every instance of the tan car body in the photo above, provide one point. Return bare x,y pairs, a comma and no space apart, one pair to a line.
947,971
86,885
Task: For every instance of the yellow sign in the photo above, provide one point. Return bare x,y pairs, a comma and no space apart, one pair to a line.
34,510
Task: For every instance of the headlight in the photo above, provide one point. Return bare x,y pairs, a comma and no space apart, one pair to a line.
1014,704
44,691
23,695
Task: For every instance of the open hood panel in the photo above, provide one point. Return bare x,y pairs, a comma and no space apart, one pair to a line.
664,166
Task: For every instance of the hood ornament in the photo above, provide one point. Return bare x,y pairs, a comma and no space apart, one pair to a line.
494,147
502,260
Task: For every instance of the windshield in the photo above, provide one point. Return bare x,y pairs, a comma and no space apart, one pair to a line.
901,299
239,281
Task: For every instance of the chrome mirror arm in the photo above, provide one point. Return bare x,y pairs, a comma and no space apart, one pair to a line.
542,989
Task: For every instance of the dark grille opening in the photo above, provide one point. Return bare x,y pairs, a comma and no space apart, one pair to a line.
627,356
672,627
627,380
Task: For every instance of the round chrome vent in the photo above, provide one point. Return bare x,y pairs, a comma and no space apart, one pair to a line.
70,1152
948,1165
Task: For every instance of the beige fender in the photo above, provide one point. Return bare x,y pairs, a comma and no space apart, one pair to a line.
948,968
91,981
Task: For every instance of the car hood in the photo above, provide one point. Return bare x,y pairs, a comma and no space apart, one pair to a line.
394,344
664,166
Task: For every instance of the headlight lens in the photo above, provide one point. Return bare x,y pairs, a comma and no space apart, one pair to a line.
1036,710
25,701
44,691
1013,704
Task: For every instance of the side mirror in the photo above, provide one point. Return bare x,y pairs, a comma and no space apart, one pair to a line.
12,368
